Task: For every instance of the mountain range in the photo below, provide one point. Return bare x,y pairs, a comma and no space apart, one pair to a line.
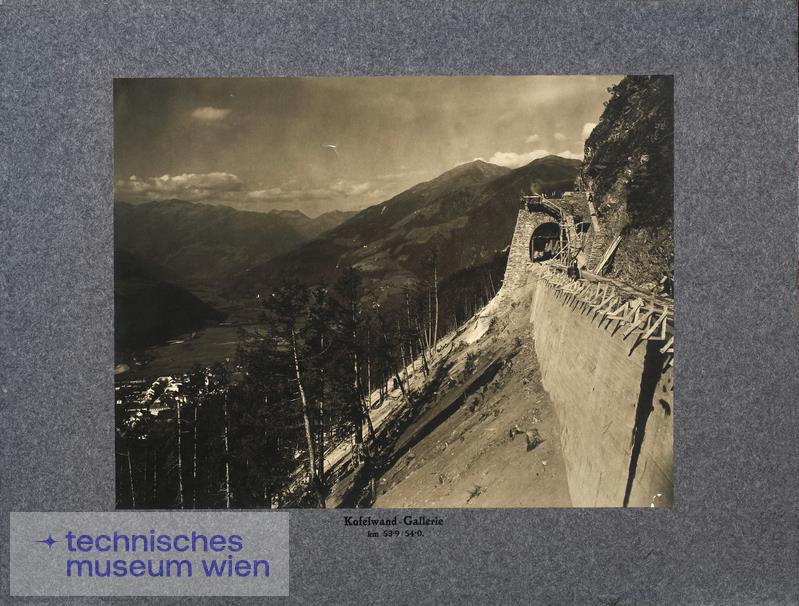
172,258
200,244
464,218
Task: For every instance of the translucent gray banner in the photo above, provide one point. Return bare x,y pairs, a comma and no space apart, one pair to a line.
150,553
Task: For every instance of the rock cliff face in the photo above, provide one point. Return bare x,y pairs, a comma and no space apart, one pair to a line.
629,173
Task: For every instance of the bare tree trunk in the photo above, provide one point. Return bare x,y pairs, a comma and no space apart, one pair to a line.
405,395
402,351
321,451
363,408
146,468
422,348
368,370
180,454
411,353
428,332
435,293
425,365
227,453
194,461
422,327
358,420
307,422
155,476
368,417
391,367
360,391
130,476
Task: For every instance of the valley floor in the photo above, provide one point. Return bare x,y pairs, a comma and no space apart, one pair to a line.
480,430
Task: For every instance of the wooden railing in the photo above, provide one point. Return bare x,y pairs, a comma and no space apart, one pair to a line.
645,316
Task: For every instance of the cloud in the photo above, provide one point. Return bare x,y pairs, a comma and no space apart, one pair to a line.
587,128
336,191
351,189
514,160
559,137
343,194
265,194
228,189
533,138
210,114
188,186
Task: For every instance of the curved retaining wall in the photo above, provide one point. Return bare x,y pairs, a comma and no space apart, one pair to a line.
615,403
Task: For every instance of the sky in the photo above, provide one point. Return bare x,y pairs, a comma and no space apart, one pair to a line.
321,144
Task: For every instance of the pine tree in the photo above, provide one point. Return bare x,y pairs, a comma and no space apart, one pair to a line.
288,305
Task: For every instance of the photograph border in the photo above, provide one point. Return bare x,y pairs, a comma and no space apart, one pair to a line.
731,536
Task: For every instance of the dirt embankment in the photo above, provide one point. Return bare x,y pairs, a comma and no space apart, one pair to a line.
481,431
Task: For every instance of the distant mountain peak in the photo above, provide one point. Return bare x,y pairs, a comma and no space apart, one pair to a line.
551,161
555,159
484,167
469,173
481,163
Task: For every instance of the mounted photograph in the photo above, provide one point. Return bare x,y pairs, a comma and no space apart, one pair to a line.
394,292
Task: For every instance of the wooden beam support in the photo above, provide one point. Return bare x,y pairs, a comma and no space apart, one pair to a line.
635,325
649,333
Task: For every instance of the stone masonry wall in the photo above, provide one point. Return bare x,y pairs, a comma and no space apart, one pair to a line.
519,264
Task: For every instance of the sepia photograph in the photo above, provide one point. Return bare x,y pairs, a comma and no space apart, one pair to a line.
394,292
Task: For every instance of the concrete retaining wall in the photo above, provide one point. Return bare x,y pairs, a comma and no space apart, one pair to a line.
615,405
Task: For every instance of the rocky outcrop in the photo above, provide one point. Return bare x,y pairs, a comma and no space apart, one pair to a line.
629,172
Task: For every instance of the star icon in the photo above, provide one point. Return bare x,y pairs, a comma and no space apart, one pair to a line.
49,541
